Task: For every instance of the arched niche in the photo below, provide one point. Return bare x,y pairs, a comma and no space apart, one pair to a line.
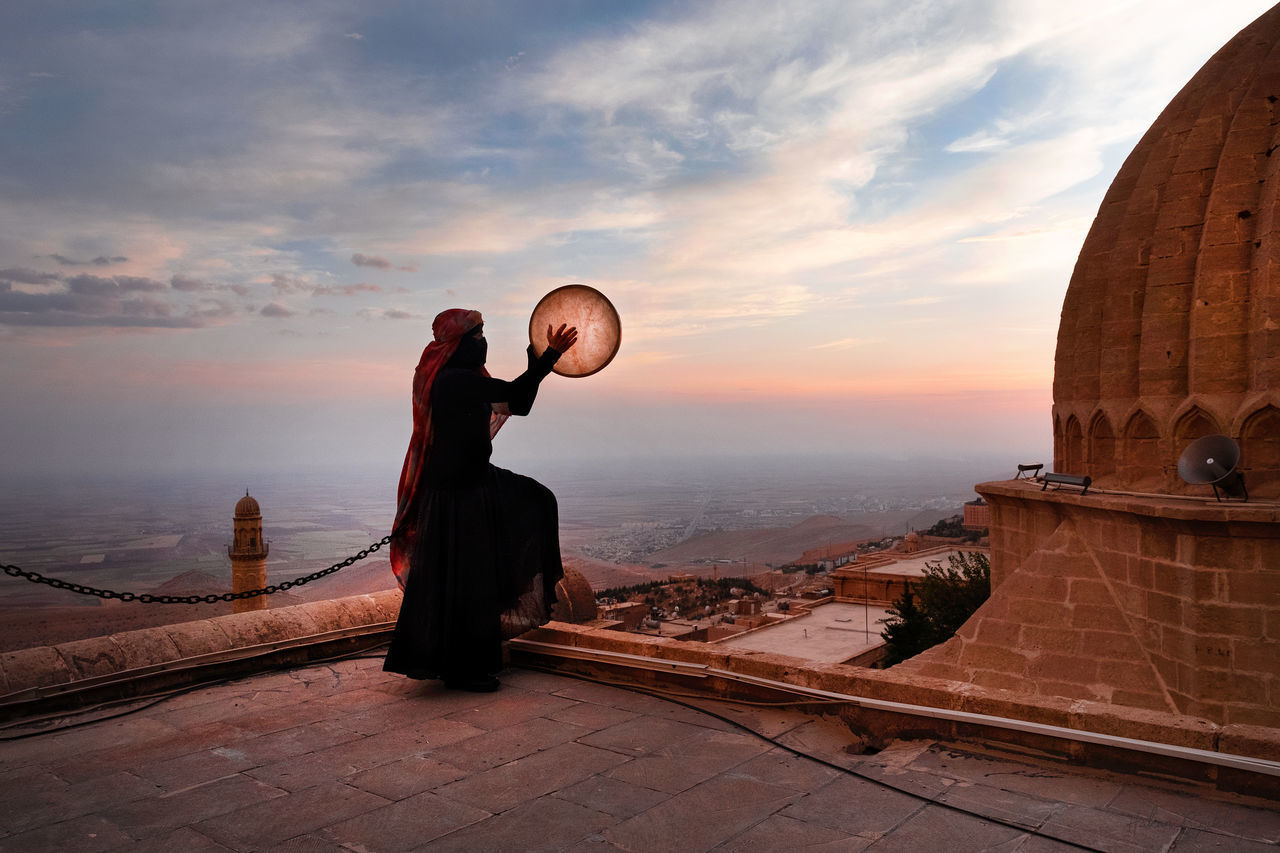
1260,452
1059,447
1139,459
1102,447
1192,424
1073,447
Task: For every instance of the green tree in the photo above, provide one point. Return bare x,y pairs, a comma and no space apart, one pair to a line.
953,528
944,598
906,631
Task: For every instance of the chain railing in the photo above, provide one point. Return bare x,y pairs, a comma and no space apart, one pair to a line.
211,598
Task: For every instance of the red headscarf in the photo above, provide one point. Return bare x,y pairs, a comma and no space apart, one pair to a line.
449,328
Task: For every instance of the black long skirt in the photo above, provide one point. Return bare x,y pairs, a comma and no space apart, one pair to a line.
484,569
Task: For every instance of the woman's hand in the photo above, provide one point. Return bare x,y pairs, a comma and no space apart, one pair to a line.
563,339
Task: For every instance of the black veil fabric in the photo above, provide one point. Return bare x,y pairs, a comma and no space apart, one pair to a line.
484,570
486,560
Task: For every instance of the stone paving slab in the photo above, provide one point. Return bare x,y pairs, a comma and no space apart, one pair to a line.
534,775
343,757
404,825
678,768
702,817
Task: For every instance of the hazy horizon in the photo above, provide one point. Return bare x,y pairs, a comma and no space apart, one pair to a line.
824,466
137,531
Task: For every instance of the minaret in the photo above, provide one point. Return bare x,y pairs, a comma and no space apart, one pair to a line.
248,555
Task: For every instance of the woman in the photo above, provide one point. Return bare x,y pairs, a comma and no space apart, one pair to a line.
476,548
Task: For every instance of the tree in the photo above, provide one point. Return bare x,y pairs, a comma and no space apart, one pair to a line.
953,528
906,631
944,598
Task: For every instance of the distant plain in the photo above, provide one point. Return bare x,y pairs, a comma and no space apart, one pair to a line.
623,520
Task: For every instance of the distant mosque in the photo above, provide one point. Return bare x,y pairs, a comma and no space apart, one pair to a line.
248,554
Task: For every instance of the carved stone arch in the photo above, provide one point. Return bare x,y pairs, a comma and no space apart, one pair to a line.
1101,446
1139,459
1194,422
1059,444
1073,447
1260,452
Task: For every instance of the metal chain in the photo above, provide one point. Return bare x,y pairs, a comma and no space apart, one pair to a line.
148,598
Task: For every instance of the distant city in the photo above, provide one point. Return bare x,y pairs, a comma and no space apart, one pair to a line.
143,533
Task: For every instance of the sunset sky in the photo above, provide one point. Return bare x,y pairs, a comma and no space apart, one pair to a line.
225,227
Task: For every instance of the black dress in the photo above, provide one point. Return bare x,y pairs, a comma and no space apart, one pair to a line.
486,560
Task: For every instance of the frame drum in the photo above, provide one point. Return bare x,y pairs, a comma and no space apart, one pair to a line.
587,309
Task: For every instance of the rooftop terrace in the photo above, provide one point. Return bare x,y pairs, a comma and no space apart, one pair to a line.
340,756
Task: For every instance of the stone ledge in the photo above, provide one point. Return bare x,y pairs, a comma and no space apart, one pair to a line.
877,726
150,660
134,662
1160,506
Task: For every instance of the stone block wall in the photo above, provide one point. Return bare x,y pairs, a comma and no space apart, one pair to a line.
1158,604
878,588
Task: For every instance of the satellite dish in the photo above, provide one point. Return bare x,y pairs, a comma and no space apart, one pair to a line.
587,309
1212,460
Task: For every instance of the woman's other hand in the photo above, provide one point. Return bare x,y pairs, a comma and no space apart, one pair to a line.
563,339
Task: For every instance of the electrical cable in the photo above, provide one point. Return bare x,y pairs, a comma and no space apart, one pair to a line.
669,697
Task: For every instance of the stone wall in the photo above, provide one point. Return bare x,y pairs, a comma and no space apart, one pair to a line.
1161,604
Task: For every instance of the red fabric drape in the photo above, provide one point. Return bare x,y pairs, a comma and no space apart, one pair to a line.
448,328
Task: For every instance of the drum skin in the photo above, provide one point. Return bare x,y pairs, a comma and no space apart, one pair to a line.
597,322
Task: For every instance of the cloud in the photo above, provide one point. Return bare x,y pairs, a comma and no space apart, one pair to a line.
89,309
346,289
135,282
189,285
370,261
119,301
388,314
100,261
275,309
92,284
292,284
96,285
783,176
285,283
22,275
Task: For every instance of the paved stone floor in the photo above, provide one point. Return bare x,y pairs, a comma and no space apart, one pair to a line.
343,757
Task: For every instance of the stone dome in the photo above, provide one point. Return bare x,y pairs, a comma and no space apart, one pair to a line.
1171,323
247,507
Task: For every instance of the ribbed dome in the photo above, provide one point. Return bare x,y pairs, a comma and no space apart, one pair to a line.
247,507
1171,324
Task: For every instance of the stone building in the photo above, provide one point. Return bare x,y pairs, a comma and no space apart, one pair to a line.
977,515
1146,591
248,553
